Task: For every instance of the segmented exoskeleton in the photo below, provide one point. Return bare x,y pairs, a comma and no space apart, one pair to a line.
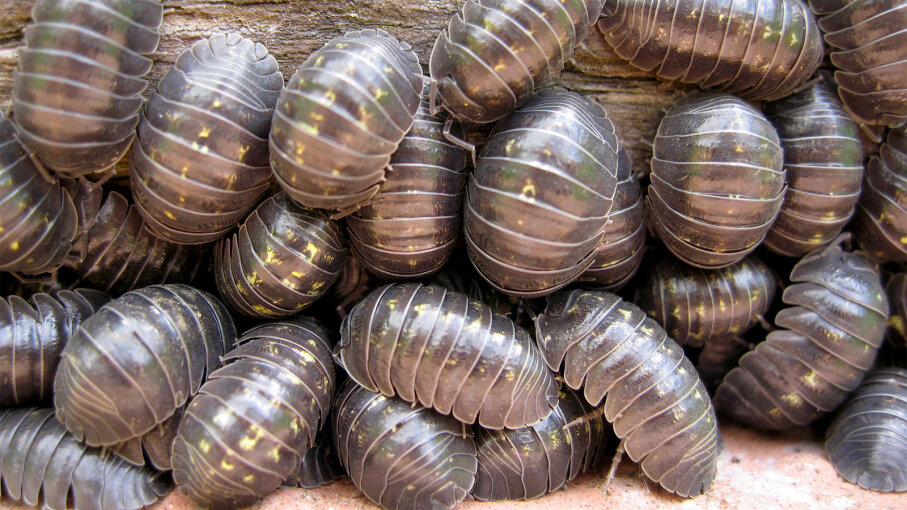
446,351
400,455
880,221
538,200
652,394
823,158
495,53
319,464
77,95
201,158
341,116
759,50
255,417
137,360
41,463
833,330
717,179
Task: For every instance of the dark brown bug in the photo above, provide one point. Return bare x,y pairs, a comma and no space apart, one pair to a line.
718,357
880,221
717,179
352,284
833,330
652,394
530,462
137,360
319,465
823,158
538,200
758,50
494,54
32,335
255,417
282,259
400,455
865,442
41,463
408,230
896,289
695,305
77,95
201,160
38,220
443,350
341,116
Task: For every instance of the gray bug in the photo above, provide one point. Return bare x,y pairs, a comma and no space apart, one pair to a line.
494,54
439,348
254,418
341,116
832,332
880,221
758,50
823,158
652,395
538,200
200,163
41,463
717,179
400,455
77,94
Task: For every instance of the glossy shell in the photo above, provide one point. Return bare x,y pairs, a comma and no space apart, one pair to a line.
880,222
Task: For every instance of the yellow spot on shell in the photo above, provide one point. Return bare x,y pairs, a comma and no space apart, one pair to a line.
205,132
14,246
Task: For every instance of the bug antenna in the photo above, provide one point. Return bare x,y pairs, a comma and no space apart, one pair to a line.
433,107
615,461
457,141
104,178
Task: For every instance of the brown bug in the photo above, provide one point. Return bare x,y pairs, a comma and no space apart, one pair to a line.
254,418
319,465
201,158
823,158
77,94
538,200
717,179
41,463
761,51
833,330
341,116
400,455
439,348
652,395
880,221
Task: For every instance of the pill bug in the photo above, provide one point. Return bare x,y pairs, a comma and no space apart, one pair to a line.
823,158
718,357
425,344
402,455
760,51
41,463
341,116
319,465
38,221
880,221
352,284
77,94
695,305
538,200
896,290
833,328
408,230
200,163
137,360
246,430
652,394
717,179
282,259
530,462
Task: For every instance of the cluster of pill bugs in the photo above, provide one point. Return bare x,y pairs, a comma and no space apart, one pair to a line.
436,318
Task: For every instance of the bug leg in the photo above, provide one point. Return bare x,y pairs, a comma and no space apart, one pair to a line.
807,84
458,142
618,455
764,323
343,213
433,107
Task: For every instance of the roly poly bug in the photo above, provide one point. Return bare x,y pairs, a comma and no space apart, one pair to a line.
493,55
439,348
41,463
762,50
400,455
200,162
718,357
32,335
652,394
319,464
880,221
538,200
341,116
254,418
833,330
77,95
137,360
823,158
717,179
896,290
